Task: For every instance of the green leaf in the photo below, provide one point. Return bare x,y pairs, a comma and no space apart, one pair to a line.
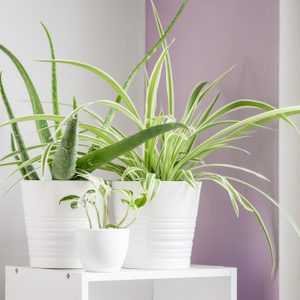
17,158
126,202
68,198
107,78
193,97
142,63
17,136
151,98
17,152
31,118
140,201
265,231
115,105
64,163
95,159
41,125
169,76
55,103
236,129
74,204
45,157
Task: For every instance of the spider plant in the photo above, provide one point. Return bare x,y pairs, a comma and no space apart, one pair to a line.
80,146
181,155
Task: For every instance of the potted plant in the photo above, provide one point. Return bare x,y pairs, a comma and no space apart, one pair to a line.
71,148
163,235
103,246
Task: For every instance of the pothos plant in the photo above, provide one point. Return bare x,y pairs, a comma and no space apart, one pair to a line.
181,155
95,201
74,147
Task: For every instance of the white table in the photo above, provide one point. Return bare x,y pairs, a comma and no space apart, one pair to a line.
196,283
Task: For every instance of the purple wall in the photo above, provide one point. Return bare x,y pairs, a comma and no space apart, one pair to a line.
211,36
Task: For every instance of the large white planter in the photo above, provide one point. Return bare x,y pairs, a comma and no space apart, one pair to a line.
162,236
50,227
102,250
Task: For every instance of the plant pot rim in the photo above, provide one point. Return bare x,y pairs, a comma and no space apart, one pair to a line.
51,180
103,229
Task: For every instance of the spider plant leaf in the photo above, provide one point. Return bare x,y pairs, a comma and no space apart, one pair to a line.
169,75
17,135
207,112
271,200
41,125
31,118
13,185
151,102
238,128
265,231
142,63
17,152
64,162
55,103
236,105
190,178
193,97
246,103
109,103
45,157
13,163
95,159
23,165
107,78
204,116
151,99
202,93
230,166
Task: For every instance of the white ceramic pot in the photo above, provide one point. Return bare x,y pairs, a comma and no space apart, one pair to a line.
50,227
162,236
102,250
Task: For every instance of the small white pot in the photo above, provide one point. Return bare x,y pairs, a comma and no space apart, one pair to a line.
102,250
50,227
162,236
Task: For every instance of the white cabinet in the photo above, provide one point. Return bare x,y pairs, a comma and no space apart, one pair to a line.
195,283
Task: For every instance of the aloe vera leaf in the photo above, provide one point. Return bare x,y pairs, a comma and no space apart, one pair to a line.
17,158
64,162
41,125
95,159
55,102
17,134
132,75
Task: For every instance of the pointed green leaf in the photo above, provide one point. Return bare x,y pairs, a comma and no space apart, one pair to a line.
142,63
64,163
95,159
41,125
17,135
55,103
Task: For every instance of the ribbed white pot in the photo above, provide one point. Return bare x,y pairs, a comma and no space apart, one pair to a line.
102,250
50,227
162,236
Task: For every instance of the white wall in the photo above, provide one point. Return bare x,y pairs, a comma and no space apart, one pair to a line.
107,33
289,150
